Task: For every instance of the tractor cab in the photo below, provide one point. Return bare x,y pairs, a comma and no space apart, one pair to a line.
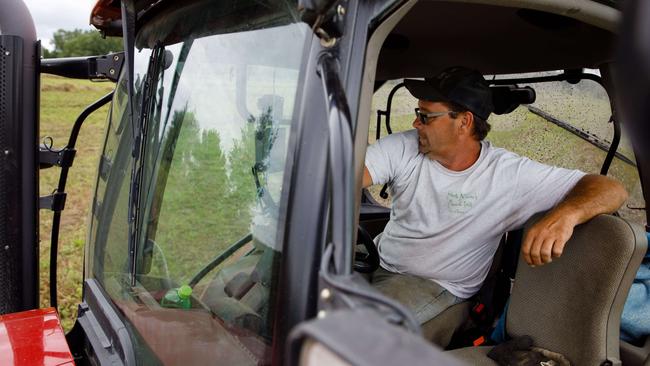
228,224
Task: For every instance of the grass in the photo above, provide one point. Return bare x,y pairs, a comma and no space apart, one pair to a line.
62,100
208,200
200,197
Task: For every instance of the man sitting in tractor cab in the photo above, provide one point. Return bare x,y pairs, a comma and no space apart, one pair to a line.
454,195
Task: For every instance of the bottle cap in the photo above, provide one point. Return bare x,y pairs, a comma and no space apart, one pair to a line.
184,291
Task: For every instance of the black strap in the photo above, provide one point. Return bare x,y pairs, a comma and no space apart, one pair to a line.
490,301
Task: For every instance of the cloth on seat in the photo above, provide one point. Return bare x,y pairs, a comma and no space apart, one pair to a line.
519,351
476,356
573,306
635,321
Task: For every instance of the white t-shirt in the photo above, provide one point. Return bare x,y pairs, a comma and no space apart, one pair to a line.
446,225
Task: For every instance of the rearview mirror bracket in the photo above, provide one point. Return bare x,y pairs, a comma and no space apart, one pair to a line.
105,67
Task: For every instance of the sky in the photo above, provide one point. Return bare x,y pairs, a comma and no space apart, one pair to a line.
50,15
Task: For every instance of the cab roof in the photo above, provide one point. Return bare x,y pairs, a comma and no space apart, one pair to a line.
499,37
493,36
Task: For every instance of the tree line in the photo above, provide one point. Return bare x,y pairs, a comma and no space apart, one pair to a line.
77,42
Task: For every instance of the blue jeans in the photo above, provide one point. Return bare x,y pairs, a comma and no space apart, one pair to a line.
423,297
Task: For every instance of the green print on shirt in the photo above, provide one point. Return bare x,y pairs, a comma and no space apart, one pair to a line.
460,202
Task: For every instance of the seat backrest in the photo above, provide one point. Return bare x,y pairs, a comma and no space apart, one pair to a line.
573,305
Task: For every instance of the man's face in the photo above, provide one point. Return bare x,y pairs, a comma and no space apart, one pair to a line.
440,135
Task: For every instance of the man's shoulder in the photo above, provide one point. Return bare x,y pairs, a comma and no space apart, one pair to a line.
387,158
405,141
405,137
504,159
500,153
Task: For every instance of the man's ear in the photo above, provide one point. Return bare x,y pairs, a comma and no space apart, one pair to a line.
467,123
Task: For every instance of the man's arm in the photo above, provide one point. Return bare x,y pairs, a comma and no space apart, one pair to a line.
591,196
367,179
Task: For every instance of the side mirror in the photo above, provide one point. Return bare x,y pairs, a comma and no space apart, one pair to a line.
507,98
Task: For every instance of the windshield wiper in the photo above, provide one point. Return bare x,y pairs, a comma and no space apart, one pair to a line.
139,144
164,151
128,31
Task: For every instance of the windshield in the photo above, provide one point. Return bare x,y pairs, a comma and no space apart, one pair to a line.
216,103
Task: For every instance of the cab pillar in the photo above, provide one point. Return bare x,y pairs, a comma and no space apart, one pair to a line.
19,90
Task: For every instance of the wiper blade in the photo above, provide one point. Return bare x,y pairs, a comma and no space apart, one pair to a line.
180,65
128,31
165,146
139,145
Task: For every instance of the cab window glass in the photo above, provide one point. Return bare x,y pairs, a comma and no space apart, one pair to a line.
217,112
109,221
401,119
401,111
536,132
548,131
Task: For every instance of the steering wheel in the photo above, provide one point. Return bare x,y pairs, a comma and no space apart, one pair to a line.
366,262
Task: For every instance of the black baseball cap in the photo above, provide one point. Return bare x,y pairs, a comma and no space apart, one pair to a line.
457,84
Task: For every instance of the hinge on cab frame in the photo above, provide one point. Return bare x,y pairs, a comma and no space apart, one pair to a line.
326,18
54,202
62,158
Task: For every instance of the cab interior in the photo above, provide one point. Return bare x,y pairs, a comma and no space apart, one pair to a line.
524,49
514,43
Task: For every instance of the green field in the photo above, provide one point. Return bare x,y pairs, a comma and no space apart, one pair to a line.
521,131
61,102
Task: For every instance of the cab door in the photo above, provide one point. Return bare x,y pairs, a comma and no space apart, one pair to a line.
350,322
187,238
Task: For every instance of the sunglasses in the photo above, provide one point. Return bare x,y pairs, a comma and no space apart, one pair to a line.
425,118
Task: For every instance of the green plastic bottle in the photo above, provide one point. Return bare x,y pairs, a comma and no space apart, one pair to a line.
178,298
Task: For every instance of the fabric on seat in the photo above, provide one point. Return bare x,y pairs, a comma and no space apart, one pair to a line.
441,328
473,356
573,305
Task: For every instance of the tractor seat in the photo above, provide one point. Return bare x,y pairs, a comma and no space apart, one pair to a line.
573,305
